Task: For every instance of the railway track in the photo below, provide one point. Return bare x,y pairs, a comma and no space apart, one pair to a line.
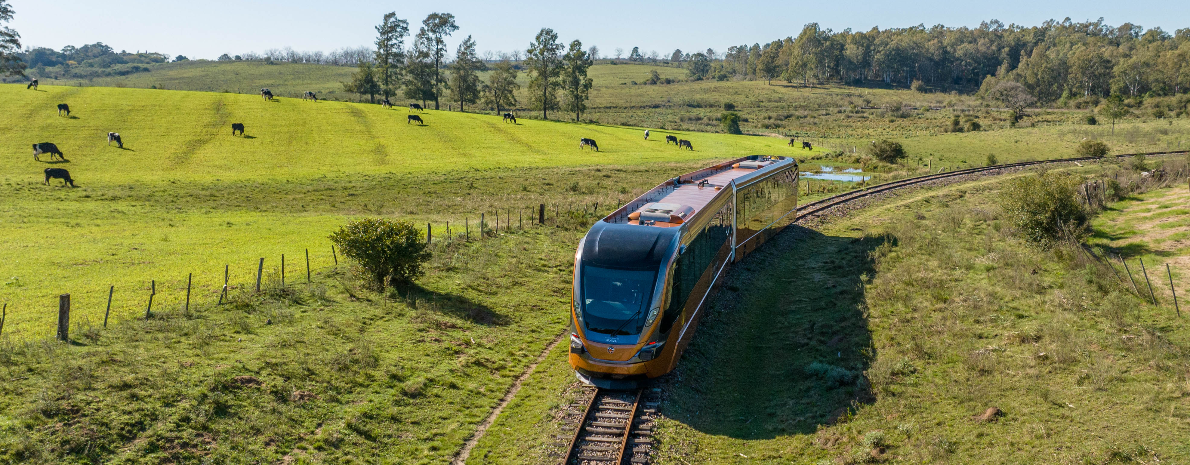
616,428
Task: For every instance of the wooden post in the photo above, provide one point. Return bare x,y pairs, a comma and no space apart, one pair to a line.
307,266
64,317
467,225
481,225
152,292
520,219
224,293
429,233
541,214
259,271
1172,291
1142,269
3,316
1134,289
282,270
334,255
109,305
189,280
497,219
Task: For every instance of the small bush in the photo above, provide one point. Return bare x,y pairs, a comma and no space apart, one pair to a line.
391,251
1091,121
832,375
1092,148
917,86
728,106
731,123
1044,208
992,161
956,125
973,126
886,151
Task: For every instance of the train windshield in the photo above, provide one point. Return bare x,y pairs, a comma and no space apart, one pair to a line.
615,302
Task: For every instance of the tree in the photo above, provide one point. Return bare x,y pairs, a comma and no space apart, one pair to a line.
390,52
10,45
224,57
420,70
619,53
464,82
768,67
1092,148
391,251
887,151
1014,96
1113,108
700,66
593,52
1090,71
575,83
731,123
676,56
500,91
437,27
363,82
1045,208
544,63
180,58
635,55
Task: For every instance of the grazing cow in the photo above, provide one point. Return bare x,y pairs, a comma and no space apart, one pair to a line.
807,145
413,118
32,85
46,147
669,139
414,106
386,104
509,117
585,142
114,137
58,173
309,96
791,141
237,127
62,107
646,134
266,94
685,144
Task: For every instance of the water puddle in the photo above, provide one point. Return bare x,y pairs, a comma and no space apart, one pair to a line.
828,173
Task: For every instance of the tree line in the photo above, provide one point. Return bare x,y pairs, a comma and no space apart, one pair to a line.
422,72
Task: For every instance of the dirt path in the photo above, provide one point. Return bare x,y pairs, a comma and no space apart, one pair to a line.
465,452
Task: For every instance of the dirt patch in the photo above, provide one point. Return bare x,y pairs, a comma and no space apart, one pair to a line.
301,397
247,381
990,415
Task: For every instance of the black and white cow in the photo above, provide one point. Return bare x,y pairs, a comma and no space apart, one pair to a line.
309,96
685,144
62,107
585,142
510,118
413,118
807,145
646,134
414,106
58,173
266,94
386,104
792,140
32,85
669,139
46,147
237,127
114,137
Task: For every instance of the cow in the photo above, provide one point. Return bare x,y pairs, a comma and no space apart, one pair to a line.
114,137
413,118
685,144
791,141
669,139
414,106
58,173
646,134
386,104
585,142
46,147
806,145
509,117
237,127
32,85
309,96
266,94
62,107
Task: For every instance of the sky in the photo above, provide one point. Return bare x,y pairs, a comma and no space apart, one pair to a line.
206,29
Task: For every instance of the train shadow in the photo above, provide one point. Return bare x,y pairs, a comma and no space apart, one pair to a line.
786,344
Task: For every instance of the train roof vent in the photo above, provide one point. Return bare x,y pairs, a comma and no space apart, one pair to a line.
665,212
753,164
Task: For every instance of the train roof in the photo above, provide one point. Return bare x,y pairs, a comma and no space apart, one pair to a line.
626,247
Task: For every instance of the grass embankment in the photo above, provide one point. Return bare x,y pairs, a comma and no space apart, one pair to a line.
1155,227
185,196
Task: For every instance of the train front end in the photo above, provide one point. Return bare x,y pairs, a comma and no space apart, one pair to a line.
618,296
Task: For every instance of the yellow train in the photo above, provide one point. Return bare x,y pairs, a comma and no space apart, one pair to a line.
644,274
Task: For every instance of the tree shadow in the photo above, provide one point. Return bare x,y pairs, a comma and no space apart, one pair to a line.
786,344
457,306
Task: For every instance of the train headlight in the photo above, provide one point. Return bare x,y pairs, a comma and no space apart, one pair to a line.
576,344
652,316
649,351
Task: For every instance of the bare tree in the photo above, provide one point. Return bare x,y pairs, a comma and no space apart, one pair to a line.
593,53
1014,96
619,53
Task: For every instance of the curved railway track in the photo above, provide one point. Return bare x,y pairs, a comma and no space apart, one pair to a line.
616,427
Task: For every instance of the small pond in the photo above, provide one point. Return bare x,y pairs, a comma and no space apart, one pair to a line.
828,173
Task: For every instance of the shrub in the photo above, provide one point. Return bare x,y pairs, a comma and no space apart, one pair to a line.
887,151
956,125
731,123
973,126
728,106
832,375
1160,113
917,86
1091,121
391,251
1092,148
1044,209
992,161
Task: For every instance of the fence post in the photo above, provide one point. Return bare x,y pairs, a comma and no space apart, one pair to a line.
448,236
307,266
482,220
3,316
223,294
1172,291
152,292
467,225
334,255
189,279
497,219
541,214
1134,289
64,317
109,305
429,233
282,270
1146,273
259,271
520,219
